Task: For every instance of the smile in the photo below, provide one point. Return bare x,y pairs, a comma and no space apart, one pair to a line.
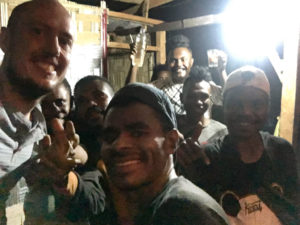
46,67
180,70
127,163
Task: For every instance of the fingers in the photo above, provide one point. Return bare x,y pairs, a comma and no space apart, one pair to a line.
133,49
59,139
182,157
71,133
46,142
196,151
48,170
190,151
197,131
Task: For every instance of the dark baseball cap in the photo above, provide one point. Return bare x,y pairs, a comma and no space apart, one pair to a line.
148,95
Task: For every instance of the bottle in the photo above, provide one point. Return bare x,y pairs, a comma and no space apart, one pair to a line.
140,44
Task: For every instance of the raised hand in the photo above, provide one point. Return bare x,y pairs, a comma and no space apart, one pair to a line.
58,155
189,151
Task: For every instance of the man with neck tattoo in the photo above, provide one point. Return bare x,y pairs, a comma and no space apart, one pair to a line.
140,136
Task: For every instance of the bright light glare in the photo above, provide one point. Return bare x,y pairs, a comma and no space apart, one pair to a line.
251,28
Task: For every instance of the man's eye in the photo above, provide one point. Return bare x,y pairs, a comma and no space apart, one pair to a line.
110,135
66,42
59,102
81,100
100,96
37,30
258,104
137,133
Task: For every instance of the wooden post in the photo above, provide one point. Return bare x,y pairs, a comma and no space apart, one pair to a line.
161,44
296,134
290,104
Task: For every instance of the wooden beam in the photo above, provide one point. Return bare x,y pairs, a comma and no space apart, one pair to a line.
146,8
290,111
153,4
156,3
141,19
126,46
161,44
187,23
277,63
130,1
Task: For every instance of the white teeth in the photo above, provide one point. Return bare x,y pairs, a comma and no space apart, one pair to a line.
127,163
47,67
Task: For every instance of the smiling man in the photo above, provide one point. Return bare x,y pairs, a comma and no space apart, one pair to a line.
140,137
251,173
179,60
37,44
196,98
57,104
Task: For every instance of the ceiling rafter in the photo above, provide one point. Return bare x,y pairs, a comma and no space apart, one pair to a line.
152,4
130,1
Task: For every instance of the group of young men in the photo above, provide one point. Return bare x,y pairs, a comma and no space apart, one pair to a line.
133,137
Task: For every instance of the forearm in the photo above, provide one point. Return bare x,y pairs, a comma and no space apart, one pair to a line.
89,198
132,74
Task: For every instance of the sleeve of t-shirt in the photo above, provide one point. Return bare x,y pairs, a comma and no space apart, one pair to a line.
182,212
89,199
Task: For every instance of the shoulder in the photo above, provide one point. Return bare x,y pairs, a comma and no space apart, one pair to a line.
276,144
180,197
217,124
215,130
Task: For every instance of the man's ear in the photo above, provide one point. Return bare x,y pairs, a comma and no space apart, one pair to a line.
192,61
171,141
4,39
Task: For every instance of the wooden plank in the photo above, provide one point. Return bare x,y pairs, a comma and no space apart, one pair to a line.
296,134
130,1
187,23
277,63
156,3
161,44
140,19
289,116
113,44
153,4
132,10
146,8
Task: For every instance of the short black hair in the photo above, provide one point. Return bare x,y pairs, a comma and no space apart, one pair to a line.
158,68
178,41
198,74
87,79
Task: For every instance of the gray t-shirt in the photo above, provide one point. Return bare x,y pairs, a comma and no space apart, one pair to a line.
18,139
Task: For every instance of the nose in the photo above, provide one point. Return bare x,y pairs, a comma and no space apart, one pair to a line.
52,45
92,102
123,141
178,62
56,107
245,109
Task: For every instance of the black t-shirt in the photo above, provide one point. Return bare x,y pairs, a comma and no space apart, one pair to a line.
180,203
273,178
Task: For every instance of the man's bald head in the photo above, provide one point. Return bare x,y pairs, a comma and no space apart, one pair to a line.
37,44
26,8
